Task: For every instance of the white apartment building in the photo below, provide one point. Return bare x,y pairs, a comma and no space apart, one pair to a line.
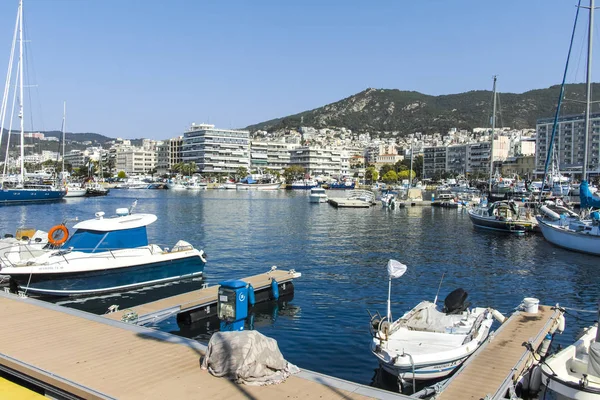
327,161
216,150
272,155
569,143
168,153
135,160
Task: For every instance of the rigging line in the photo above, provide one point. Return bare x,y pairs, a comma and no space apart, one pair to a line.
560,98
31,70
7,85
10,130
499,112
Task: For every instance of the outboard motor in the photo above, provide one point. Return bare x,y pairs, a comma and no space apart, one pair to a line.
456,302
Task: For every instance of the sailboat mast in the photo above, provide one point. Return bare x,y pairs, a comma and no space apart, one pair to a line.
492,140
588,97
21,91
410,179
64,128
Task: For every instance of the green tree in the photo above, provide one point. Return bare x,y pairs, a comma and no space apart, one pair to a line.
385,168
293,173
241,172
405,175
192,168
371,174
121,175
390,176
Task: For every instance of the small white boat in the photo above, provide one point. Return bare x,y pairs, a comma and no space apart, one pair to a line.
318,195
574,372
426,342
197,186
75,190
248,183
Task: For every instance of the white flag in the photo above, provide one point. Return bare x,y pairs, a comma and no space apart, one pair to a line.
395,269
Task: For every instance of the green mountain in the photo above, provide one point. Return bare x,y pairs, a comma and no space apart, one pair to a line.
391,110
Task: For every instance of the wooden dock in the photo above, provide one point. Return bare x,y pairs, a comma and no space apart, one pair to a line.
74,354
490,371
202,299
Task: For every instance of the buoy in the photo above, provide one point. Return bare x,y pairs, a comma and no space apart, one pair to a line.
535,383
58,235
274,289
251,298
545,345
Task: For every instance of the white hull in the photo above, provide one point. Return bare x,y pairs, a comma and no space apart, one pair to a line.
563,372
568,239
257,186
318,198
75,192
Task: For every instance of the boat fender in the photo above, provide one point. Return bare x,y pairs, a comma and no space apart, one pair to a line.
561,324
58,235
251,297
498,316
274,289
535,381
545,345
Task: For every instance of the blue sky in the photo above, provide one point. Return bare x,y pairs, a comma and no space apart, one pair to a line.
149,68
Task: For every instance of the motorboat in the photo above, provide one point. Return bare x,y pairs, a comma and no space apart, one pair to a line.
249,183
94,189
75,190
388,200
574,372
197,186
304,184
504,216
102,255
427,342
318,195
345,185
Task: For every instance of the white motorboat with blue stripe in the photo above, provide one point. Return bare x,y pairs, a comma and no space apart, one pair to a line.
102,255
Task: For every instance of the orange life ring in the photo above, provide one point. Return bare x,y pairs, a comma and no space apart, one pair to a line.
58,235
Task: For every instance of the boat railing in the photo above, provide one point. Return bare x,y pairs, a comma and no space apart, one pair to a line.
361,194
5,259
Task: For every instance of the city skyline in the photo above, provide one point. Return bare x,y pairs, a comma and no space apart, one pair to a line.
149,69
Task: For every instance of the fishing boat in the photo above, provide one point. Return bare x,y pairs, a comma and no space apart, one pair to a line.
21,191
249,183
574,372
345,185
504,216
102,255
195,185
427,342
304,184
318,195
95,189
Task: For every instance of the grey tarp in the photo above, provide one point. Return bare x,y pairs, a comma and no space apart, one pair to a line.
246,357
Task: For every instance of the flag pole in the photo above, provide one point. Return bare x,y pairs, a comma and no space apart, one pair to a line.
389,310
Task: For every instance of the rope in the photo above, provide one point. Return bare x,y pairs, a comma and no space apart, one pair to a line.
578,310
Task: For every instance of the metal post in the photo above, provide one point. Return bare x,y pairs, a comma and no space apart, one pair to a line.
492,140
389,310
598,329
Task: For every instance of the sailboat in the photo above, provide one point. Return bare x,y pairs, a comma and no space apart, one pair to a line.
580,234
502,216
20,191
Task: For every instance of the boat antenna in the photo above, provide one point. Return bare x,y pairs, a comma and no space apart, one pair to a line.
439,287
133,205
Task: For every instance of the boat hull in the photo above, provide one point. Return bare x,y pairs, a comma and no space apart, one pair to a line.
8,196
257,186
76,193
560,237
109,279
515,227
424,372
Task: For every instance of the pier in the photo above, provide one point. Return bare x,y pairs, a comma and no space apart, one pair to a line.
72,354
492,370
349,203
199,304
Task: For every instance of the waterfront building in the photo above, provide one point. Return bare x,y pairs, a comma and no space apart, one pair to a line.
135,160
216,150
434,161
569,144
321,161
523,166
456,159
76,158
168,153
274,155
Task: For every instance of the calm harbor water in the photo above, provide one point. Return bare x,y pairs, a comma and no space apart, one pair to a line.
342,255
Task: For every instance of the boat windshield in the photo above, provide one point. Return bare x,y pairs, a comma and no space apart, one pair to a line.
88,241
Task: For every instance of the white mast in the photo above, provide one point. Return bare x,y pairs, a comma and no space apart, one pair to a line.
64,128
411,161
4,106
588,97
492,140
21,91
